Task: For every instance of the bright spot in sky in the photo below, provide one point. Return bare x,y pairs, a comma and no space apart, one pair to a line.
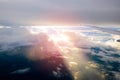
55,37
59,38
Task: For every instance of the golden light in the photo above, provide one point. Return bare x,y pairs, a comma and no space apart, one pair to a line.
73,56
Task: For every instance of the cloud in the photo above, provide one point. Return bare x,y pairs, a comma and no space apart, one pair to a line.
1,26
11,37
108,30
21,71
36,12
75,51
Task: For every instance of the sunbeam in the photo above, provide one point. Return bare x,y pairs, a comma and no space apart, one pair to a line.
62,45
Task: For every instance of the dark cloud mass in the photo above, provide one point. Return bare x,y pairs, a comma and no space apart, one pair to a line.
20,12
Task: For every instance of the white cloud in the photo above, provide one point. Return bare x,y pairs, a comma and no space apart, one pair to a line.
1,27
21,71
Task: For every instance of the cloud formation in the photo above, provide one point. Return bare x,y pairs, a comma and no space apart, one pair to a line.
42,12
83,56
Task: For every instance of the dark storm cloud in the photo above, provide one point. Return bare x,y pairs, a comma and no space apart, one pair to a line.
64,11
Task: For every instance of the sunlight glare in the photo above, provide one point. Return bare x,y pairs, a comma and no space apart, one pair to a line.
59,38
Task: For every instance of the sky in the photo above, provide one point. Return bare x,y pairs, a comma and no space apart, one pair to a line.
59,12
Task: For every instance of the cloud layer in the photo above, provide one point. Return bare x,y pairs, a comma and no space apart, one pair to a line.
45,12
